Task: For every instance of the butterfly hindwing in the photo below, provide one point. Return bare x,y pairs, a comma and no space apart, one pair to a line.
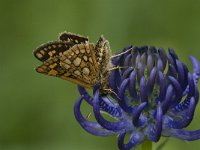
78,64
82,60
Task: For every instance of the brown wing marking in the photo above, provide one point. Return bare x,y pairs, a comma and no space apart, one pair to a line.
51,49
73,38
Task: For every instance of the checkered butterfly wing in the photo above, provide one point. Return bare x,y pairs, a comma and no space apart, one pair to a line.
56,48
77,64
103,53
51,49
72,38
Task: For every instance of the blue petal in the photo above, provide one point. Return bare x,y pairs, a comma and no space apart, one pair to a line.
143,49
134,56
181,75
111,108
132,85
163,86
84,93
171,60
191,92
182,134
196,68
122,88
178,90
127,61
143,90
159,115
115,80
172,53
127,72
113,126
151,81
150,63
139,71
160,65
154,130
168,99
91,127
144,58
124,101
135,139
171,71
137,112
152,49
186,117
163,56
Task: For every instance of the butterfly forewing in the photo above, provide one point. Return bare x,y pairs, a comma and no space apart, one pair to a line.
73,38
51,49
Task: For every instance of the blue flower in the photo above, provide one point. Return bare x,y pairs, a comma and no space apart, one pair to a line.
153,95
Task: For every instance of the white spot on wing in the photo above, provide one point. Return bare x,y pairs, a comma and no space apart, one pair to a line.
77,61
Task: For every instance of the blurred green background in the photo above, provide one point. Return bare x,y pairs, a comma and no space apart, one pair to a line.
36,111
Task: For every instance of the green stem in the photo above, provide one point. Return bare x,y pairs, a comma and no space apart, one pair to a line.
146,145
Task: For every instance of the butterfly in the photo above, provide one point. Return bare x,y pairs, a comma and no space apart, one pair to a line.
72,57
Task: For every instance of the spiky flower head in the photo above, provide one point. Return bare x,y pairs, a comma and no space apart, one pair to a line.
153,95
